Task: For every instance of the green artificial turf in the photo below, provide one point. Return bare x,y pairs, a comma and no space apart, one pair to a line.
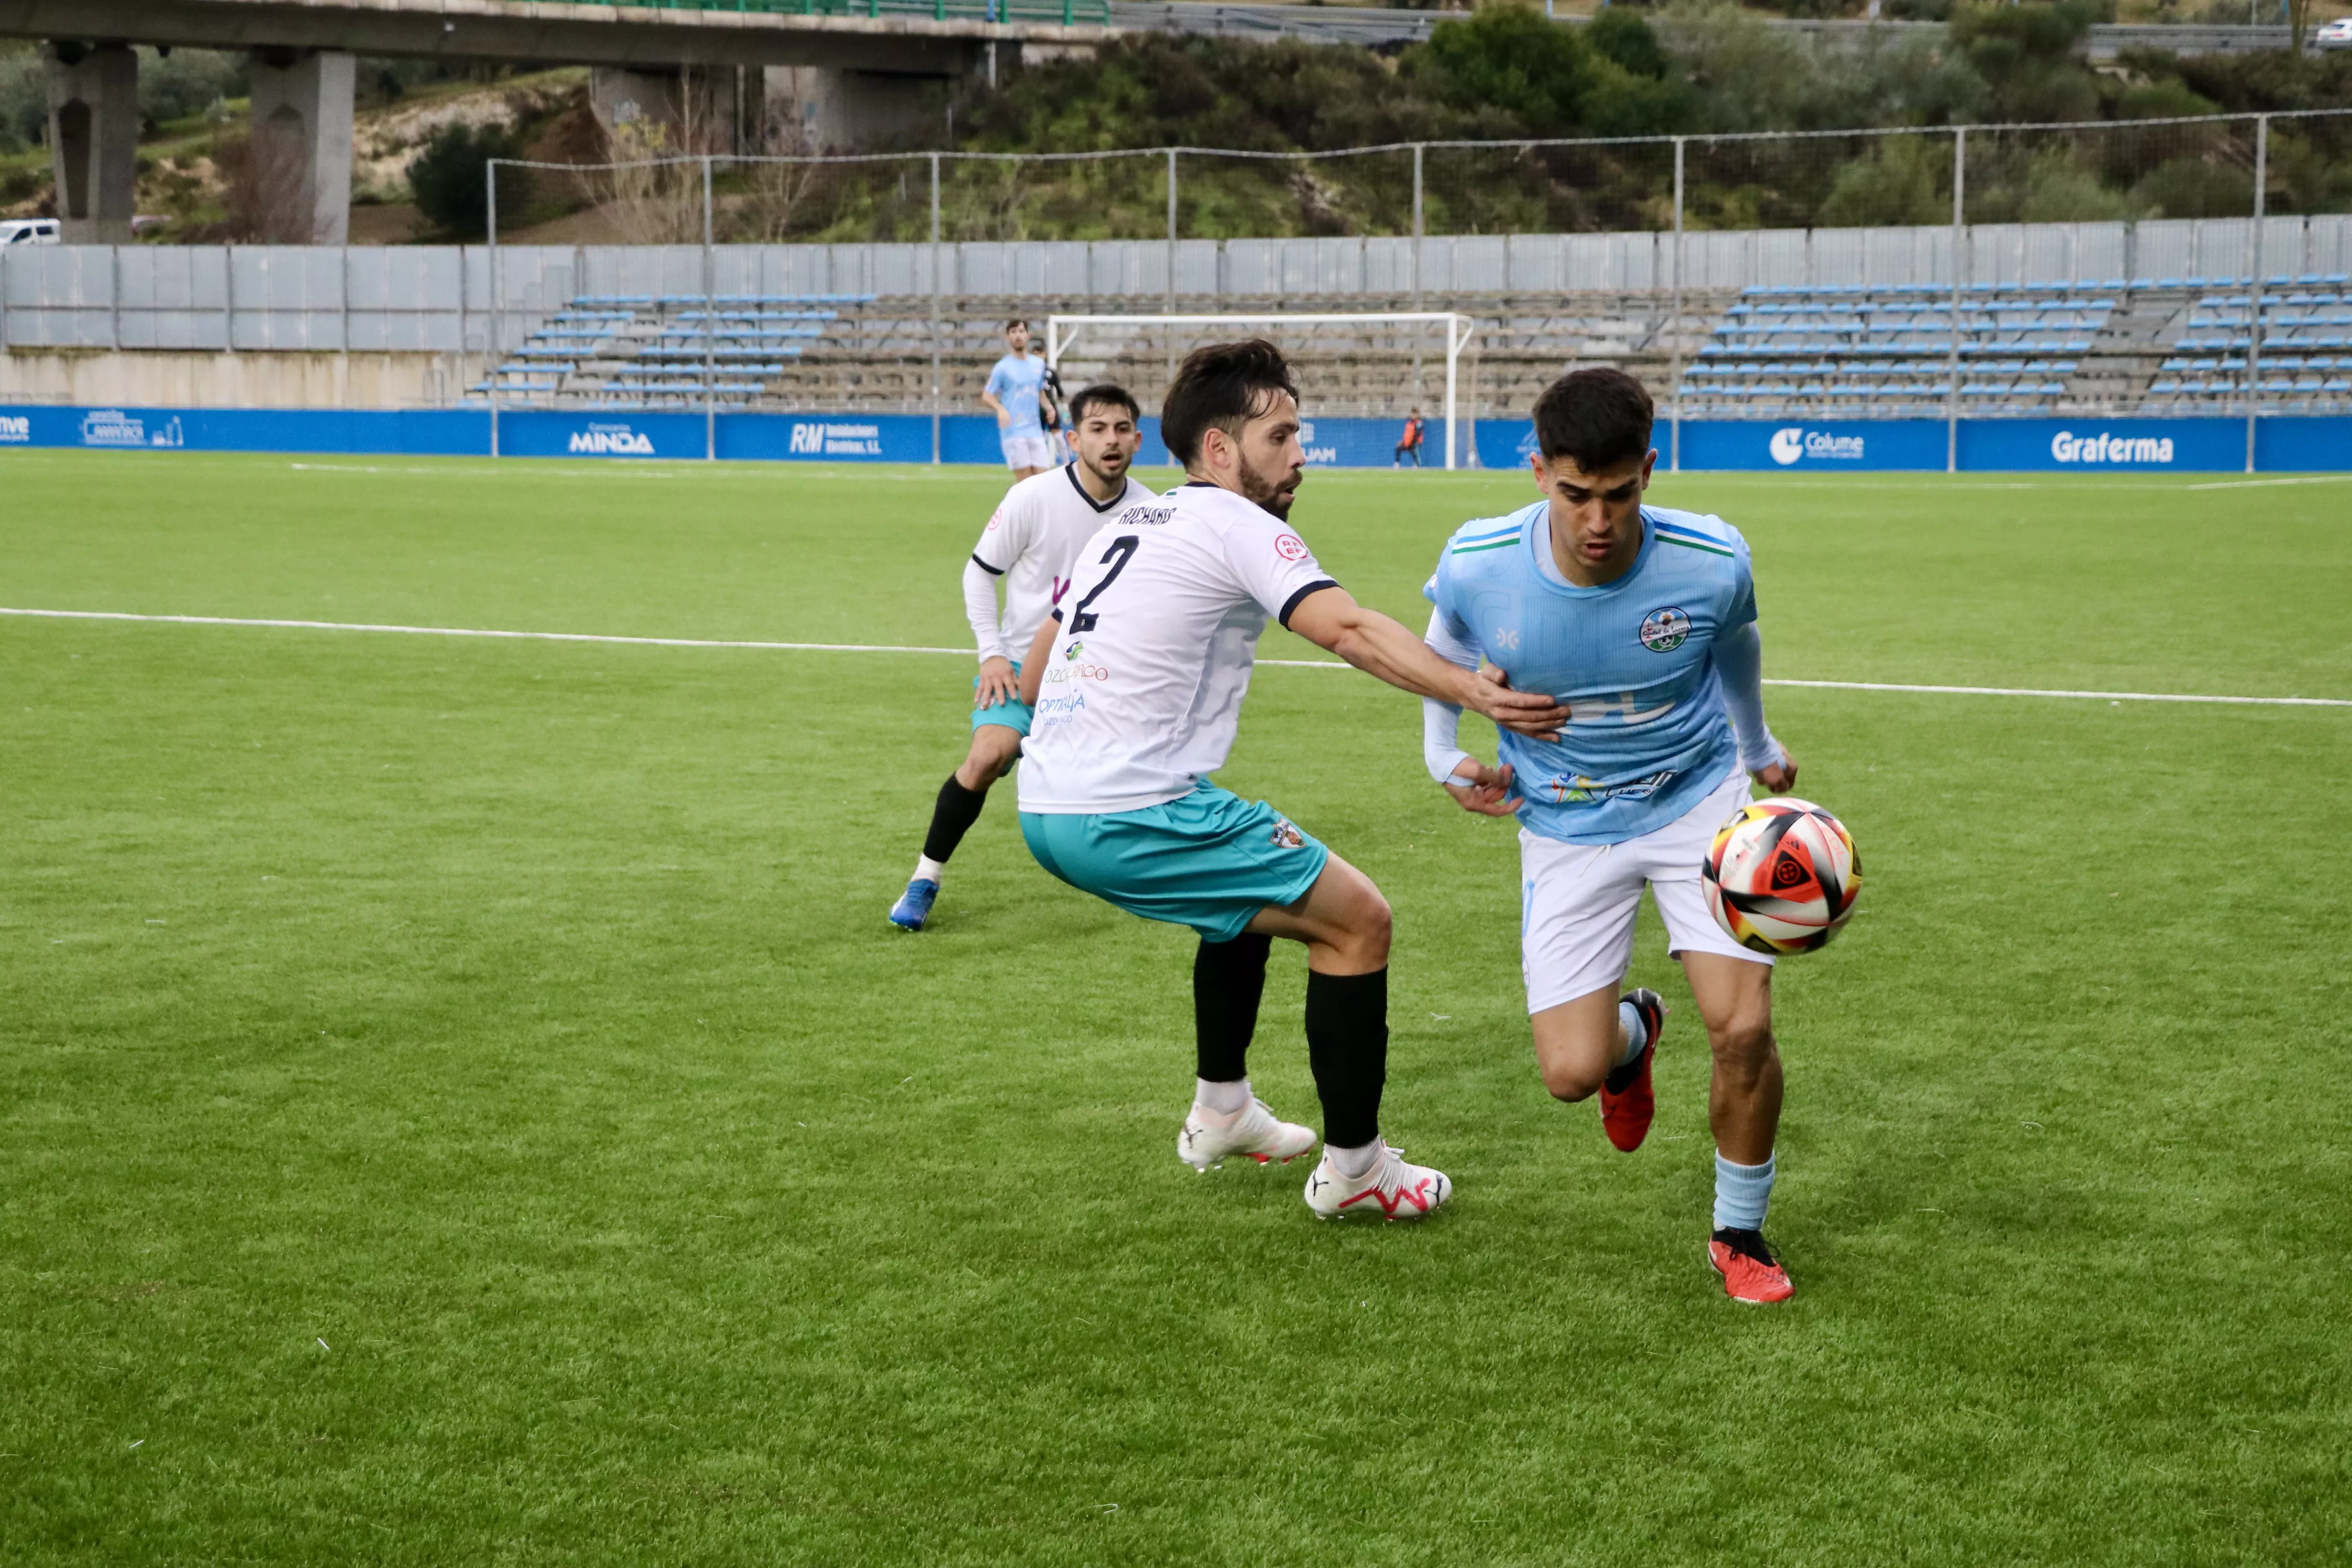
460,1101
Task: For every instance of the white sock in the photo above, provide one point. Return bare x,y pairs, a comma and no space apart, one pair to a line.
1354,1163
927,869
1221,1098
1628,1024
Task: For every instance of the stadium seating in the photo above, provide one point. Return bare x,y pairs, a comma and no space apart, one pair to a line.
646,352
2024,348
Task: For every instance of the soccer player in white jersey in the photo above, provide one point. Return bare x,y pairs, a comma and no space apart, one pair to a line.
1137,678
1641,621
1029,543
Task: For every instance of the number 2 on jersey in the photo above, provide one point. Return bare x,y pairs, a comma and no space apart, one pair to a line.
1121,551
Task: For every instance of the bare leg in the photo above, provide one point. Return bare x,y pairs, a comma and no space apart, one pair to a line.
1343,920
1578,1042
994,749
1743,1099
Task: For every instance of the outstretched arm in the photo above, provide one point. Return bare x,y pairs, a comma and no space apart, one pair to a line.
1474,785
1739,660
1330,619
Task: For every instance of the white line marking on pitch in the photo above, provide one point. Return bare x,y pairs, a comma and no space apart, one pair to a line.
967,653
2255,484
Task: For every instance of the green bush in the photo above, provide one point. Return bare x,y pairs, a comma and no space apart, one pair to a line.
450,179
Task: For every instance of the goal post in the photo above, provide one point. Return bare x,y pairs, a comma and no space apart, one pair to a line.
1061,331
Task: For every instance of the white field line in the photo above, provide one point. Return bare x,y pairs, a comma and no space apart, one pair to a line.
2257,484
967,653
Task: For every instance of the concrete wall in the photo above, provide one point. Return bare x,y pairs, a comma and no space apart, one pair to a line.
169,380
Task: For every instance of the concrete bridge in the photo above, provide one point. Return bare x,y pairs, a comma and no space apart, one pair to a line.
839,72
826,73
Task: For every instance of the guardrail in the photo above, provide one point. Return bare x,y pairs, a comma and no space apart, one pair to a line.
1369,25
1055,13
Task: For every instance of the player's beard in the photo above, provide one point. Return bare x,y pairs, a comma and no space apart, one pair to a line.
1270,495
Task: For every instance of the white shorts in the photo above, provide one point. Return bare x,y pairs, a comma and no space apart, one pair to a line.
1578,900
1032,451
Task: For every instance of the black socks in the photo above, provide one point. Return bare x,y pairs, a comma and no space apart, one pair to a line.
1228,980
1347,1047
951,818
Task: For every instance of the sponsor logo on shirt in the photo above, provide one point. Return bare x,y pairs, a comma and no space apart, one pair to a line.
1665,630
1052,711
1579,790
1290,547
2105,447
1076,669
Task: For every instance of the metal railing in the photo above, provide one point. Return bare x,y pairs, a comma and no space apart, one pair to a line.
1062,13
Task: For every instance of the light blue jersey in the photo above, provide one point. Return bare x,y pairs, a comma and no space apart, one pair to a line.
1015,383
1648,736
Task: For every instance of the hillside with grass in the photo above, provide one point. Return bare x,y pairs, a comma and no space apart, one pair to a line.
1503,74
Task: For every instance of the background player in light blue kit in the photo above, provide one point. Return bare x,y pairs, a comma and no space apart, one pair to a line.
1642,622
1014,393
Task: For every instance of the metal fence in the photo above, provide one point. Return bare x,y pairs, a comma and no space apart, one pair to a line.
439,298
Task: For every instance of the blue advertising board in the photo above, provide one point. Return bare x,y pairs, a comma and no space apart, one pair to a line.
1836,446
2283,444
2103,445
2302,445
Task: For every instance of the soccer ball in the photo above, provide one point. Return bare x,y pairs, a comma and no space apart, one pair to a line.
1781,876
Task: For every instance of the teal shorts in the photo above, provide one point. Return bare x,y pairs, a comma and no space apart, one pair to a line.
1012,715
1210,860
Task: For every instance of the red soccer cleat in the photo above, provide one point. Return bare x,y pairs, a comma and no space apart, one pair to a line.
1751,1273
1626,1103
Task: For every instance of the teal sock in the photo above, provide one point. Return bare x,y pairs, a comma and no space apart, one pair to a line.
1742,1194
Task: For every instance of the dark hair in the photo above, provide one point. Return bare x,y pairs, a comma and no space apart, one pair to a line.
1221,386
1599,417
1104,392
1016,321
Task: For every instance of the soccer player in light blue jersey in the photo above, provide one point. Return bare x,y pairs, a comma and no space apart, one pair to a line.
1015,393
1642,622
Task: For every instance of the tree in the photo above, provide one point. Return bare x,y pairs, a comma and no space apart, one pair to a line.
450,179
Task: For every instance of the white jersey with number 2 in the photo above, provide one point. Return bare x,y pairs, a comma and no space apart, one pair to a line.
1143,690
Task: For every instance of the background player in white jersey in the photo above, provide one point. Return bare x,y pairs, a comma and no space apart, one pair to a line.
1642,621
1137,678
1015,393
1029,542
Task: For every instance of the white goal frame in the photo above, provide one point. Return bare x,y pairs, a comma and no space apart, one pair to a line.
1460,330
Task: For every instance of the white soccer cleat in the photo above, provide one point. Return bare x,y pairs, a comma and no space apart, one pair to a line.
1392,1188
1254,1131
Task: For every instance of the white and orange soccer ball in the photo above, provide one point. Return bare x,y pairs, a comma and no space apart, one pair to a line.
1781,876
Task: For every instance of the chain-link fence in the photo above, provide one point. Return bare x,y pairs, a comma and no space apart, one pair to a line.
1921,272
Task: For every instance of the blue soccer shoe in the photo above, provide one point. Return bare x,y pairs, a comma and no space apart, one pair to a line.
914,905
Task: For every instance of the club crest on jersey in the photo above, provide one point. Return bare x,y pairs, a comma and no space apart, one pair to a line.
1290,547
1663,631
1285,836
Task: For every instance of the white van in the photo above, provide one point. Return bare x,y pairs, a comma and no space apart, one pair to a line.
30,231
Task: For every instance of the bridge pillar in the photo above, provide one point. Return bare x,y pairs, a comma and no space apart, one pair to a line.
676,113
302,145
94,138
828,108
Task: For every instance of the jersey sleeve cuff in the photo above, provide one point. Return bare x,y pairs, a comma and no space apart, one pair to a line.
1293,602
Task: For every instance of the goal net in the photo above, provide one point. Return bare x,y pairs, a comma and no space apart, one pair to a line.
1365,365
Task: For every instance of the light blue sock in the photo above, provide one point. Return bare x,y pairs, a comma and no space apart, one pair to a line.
1630,1019
1742,1194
